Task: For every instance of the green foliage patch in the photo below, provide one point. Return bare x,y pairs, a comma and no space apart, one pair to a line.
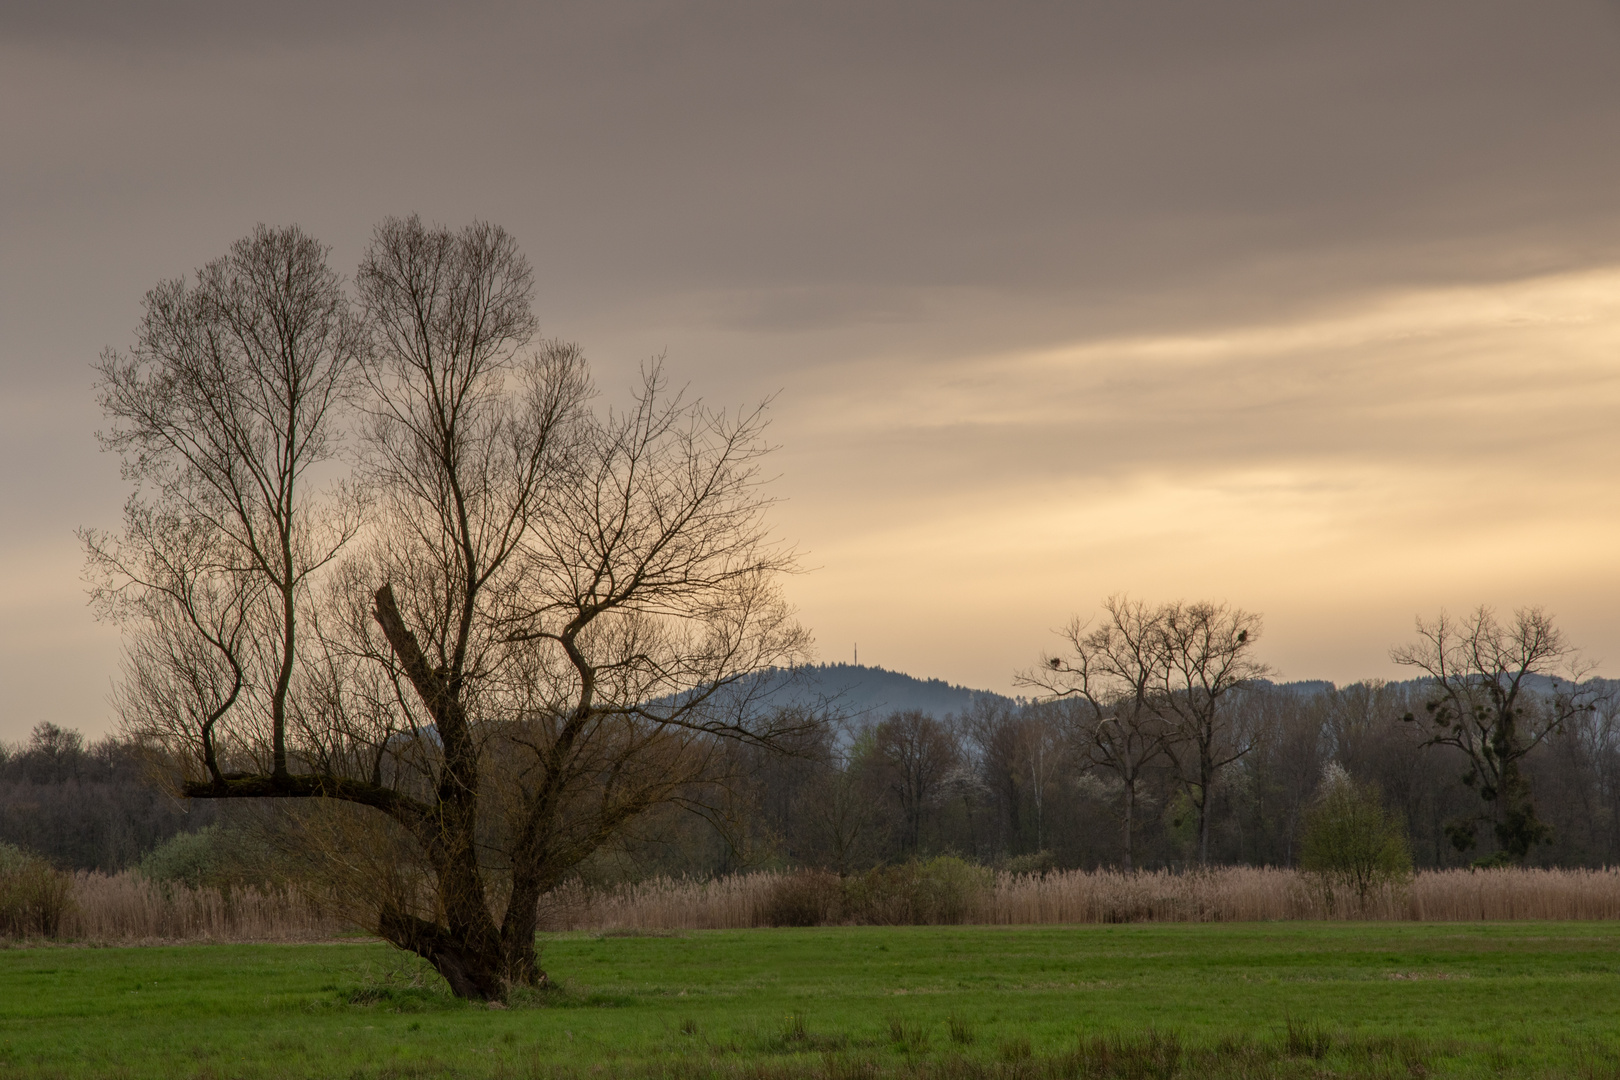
944,890
845,1003
1352,845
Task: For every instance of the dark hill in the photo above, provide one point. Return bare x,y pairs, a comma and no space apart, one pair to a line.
866,694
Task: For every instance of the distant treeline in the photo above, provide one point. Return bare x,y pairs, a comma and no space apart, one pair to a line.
1004,784
86,806
1009,784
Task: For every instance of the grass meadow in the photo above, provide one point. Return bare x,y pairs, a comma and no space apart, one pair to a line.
1284,999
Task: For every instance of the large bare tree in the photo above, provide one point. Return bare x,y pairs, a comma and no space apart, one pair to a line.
1160,680
1112,673
917,755
1497,691
1205,660
548,623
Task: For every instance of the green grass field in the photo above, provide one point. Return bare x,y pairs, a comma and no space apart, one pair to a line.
1267,999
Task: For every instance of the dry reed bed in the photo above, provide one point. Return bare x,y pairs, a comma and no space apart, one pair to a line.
662,903
1240,894
126,908
1235,894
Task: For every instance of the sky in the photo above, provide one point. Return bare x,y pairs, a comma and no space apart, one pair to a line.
1311,308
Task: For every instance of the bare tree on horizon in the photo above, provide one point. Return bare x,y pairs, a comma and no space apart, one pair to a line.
1156,681
1109,672
1483,702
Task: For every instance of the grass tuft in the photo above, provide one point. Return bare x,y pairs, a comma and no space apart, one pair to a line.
1149,1055
909,1038
1311,1040
1015,1049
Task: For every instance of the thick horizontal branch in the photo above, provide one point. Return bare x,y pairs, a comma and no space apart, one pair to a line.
268,786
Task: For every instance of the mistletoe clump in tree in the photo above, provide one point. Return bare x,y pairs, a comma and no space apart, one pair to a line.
1496,692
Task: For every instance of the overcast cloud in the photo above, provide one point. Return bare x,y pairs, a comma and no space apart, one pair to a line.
1310,307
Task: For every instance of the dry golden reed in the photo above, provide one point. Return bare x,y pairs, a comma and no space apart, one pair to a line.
126,908
1228,894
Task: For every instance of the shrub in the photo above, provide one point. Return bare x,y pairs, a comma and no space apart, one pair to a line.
34,896
922,892
192,859
1351,843
802,898
230,855
951,890
939,891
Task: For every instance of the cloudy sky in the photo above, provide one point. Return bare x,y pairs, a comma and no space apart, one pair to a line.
1309,307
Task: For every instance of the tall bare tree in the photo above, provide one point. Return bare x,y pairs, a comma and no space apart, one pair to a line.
550,622
1497,691
918,754
1113,672
842,824
1047,753
992,728
1157,681
1205,658
222,408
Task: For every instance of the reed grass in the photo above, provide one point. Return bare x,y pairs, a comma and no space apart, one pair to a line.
126,908
1227,894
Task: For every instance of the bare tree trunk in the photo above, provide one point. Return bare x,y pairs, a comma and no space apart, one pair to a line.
1203,831
471,950
1130,812
1206,777
1038,797
472,972
520,961
278,700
